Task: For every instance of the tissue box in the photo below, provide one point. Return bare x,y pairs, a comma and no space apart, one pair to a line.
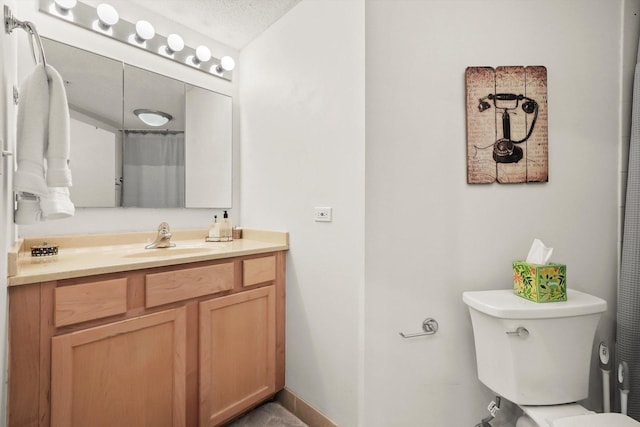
540,283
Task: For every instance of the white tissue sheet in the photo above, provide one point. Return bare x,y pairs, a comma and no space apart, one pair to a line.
539,253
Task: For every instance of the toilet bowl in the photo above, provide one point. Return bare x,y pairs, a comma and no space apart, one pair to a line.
538,355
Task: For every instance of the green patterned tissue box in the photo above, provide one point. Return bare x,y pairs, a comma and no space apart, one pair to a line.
540,283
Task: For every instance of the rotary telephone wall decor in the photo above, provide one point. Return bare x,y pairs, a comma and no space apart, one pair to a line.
507,124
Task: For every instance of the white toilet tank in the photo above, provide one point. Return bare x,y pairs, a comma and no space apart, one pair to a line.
534,353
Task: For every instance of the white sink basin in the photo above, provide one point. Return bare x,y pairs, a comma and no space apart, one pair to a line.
166,252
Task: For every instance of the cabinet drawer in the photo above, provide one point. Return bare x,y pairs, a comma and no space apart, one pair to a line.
258,270
89,301
179,285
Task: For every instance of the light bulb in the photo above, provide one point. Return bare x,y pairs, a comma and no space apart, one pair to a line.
64,6
174,44
144,31
203,54
107,15
226,64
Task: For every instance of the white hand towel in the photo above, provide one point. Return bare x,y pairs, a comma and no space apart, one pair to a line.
43,128
33,117
28,209
56,204
58,172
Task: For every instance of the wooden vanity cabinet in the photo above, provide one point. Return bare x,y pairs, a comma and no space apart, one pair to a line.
237,353
127,373
186,345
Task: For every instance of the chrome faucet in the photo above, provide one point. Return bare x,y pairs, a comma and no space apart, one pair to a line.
163,240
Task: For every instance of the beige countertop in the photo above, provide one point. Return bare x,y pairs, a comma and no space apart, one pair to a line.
87,255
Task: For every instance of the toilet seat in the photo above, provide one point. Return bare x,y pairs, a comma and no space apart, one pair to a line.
597,420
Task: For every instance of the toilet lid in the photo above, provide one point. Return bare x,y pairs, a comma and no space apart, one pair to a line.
597,420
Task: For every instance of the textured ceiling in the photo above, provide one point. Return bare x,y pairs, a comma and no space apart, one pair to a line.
231,22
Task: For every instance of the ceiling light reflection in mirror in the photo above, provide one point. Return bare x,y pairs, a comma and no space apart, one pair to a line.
153,117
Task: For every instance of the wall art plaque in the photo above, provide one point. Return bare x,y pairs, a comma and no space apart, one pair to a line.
507,137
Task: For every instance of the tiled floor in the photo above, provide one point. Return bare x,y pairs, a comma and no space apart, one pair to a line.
270,414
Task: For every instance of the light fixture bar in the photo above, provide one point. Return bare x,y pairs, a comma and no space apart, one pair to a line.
86,16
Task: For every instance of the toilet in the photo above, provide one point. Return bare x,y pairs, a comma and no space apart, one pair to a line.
538,355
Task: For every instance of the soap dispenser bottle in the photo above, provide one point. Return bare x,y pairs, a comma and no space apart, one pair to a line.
214,230
226,229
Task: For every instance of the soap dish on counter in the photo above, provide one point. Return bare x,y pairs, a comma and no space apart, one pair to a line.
218,239
44,250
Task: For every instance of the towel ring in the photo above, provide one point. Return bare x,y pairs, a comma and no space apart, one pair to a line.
10,23
33,34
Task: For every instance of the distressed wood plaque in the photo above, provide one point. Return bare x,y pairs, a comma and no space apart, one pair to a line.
507,137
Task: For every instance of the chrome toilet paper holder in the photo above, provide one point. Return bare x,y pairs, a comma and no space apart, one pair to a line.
429,326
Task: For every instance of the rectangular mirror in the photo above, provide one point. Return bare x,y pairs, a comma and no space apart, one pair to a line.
208,158
119,160
94,86
153,140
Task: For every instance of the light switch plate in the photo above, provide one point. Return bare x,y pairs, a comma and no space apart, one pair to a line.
322,214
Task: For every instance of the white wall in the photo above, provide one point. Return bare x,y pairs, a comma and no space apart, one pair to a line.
7,230
93,184
92,220
302,116
429,235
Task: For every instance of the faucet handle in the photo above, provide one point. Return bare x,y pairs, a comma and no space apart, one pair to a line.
163,240
163,231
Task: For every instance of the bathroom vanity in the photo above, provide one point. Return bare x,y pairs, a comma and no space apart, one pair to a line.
116,335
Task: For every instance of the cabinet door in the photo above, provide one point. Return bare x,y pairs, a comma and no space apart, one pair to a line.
237,353
129,373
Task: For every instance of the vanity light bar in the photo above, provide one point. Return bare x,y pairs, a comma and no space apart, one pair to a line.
141,35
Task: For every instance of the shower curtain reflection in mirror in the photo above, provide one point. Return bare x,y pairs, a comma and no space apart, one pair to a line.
153,169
